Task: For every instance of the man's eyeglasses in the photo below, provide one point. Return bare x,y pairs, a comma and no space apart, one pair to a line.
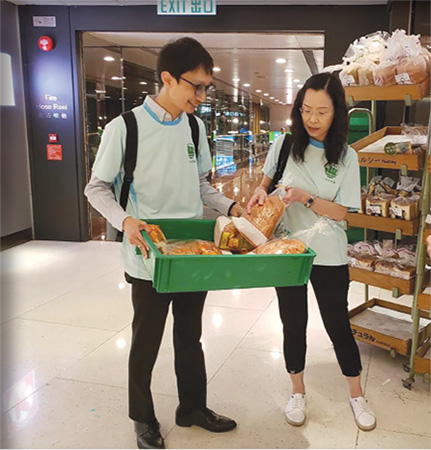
306,112
200,88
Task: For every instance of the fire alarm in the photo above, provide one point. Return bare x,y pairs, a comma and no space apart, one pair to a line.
45,43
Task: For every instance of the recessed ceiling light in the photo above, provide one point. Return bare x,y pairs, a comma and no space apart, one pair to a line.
235,80
300,86
258,90
145,92
143,82
216,69
266,94
109,58
271,98
115,78
296,81
289,70
280,60
246,85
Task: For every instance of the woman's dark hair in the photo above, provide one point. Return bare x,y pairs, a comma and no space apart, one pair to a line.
336,139
180,56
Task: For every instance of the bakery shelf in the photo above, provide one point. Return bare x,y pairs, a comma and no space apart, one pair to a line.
405,287
423,358
383,160
396,92
424,302
407,227
388,326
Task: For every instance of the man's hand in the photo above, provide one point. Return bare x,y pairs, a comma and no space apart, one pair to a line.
259,197
295,195
132,228
237,210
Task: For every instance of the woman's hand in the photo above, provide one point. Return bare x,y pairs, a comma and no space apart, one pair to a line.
296,195
132,228
259,197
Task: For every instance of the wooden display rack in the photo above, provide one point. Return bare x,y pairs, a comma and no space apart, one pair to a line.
405,287
423,358
424,302
407,227
397,92
387,332
382,160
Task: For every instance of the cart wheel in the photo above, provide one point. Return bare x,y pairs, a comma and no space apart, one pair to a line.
426,378
406,368
393,353
408,382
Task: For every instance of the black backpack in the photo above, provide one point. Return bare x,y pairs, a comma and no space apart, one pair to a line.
282,161
132,153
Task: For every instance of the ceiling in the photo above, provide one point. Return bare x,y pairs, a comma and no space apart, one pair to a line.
219,2
249,57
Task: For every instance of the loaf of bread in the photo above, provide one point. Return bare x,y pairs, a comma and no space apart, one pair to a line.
411,70
403,208
365,76
192,247
156,234
384,74
282,246
258,226
227,237
378,206
364,262
393,268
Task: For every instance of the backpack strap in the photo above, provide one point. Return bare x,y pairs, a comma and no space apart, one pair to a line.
195,132
129,159
282,161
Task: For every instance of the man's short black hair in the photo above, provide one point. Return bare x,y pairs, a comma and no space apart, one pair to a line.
181,56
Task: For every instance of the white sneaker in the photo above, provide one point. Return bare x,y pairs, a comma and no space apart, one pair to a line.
295,410
364,416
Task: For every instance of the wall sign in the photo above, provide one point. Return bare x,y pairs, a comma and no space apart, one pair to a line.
54,152
186,7
44,21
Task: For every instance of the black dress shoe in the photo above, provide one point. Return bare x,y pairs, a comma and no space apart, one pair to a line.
148,435
206,419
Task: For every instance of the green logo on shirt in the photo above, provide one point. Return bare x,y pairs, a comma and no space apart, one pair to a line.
191,152
331,171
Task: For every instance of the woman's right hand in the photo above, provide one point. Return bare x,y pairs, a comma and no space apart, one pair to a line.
132,228
259,197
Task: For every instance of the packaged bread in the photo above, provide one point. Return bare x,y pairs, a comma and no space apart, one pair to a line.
403,208
190,247
281,246
156,234
227,237
364,262
393,268
365,76
378,206
384,74
258,226
349,74
412,70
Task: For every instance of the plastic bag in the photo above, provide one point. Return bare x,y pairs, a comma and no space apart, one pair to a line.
323,226
189,247
227,237
384,73
412,70
282,246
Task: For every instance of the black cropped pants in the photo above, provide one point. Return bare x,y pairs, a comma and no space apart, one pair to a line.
331,285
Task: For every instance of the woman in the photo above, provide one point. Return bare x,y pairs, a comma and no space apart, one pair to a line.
326,182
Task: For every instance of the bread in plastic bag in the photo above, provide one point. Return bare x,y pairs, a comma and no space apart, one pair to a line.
384,74
282,246
227,237
189,247
412,70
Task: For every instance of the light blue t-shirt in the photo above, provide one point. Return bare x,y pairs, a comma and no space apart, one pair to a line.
166,178
338,183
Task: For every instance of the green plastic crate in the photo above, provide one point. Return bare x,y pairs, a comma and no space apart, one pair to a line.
190,273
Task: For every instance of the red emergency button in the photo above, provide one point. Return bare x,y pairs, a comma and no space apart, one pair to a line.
53,138
45,43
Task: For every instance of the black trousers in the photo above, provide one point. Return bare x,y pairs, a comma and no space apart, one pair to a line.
331,286
150,312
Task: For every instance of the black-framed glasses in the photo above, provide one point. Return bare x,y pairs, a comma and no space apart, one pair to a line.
200,88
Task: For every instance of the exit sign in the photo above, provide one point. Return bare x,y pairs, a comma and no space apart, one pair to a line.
186,7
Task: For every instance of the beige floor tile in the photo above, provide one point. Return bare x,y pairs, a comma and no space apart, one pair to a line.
253,388
258,299
390,439
397,408
41,351
102,303
70,414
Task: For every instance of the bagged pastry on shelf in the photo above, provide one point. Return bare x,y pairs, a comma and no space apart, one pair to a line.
349,75
394,268
281,246
412,70
378,205
227,237
258,226
384,74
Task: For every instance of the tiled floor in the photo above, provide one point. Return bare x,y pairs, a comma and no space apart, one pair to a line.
65,337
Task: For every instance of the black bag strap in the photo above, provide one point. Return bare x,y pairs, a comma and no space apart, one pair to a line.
195,132
282,161
130,156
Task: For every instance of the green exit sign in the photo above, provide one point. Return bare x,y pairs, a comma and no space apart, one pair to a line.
186,7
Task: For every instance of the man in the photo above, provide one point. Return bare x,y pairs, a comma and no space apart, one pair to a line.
169,182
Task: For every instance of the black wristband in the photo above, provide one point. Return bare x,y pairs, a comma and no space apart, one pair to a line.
230,208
